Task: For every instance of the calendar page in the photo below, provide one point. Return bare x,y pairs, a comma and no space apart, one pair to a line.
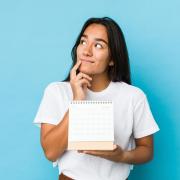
90,125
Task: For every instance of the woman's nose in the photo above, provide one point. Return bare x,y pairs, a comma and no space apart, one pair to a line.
87,50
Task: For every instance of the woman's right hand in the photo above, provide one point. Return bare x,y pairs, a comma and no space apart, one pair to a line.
79,82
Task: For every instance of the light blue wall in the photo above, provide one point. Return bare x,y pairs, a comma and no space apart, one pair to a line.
36,38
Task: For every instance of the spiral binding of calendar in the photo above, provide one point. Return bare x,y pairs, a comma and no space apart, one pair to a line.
90,102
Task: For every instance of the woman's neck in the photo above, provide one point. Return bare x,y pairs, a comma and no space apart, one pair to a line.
99,82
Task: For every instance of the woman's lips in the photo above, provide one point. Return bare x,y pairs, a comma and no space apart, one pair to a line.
86,60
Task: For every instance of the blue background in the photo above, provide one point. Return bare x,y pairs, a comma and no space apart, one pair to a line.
36,38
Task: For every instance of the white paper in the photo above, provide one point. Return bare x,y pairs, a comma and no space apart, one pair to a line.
91,121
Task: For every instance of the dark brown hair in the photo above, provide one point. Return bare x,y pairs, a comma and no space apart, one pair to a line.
120,71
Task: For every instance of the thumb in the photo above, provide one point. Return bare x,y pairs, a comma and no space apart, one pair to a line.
115,146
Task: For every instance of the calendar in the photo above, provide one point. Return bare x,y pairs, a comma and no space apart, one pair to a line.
91,125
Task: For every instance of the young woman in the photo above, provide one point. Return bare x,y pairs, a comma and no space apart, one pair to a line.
100,71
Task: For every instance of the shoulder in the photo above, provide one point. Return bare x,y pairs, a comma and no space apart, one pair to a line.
131,92
129,89
56,87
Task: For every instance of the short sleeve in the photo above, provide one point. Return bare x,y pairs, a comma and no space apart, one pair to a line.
51,108
143,120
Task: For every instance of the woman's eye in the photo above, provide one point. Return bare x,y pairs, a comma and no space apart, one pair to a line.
98,46
82,42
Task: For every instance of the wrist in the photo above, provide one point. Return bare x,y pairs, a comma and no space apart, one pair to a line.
125,156
78,98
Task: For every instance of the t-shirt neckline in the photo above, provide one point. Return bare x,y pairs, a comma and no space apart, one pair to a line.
100,92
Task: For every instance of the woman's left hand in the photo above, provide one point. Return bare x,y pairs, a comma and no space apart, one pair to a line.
116,155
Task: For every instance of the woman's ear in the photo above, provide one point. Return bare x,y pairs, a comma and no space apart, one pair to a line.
111,63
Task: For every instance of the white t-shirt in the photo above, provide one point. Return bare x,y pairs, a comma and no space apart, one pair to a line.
132,119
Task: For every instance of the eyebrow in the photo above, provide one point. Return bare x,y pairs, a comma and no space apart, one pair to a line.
97,39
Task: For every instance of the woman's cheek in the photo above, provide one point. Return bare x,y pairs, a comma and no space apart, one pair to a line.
79,51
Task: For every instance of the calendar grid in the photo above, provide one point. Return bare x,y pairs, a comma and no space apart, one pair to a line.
91,121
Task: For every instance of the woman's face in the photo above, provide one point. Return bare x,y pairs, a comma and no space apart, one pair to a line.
93,50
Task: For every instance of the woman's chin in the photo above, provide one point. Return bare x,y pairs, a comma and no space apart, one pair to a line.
85,71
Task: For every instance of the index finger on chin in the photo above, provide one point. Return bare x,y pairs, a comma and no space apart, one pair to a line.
74,69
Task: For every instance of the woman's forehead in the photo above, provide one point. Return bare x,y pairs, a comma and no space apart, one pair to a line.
96,31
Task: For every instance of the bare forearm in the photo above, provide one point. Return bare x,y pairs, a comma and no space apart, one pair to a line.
55,141
140,154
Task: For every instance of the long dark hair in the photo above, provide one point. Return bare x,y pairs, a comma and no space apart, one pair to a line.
120,71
